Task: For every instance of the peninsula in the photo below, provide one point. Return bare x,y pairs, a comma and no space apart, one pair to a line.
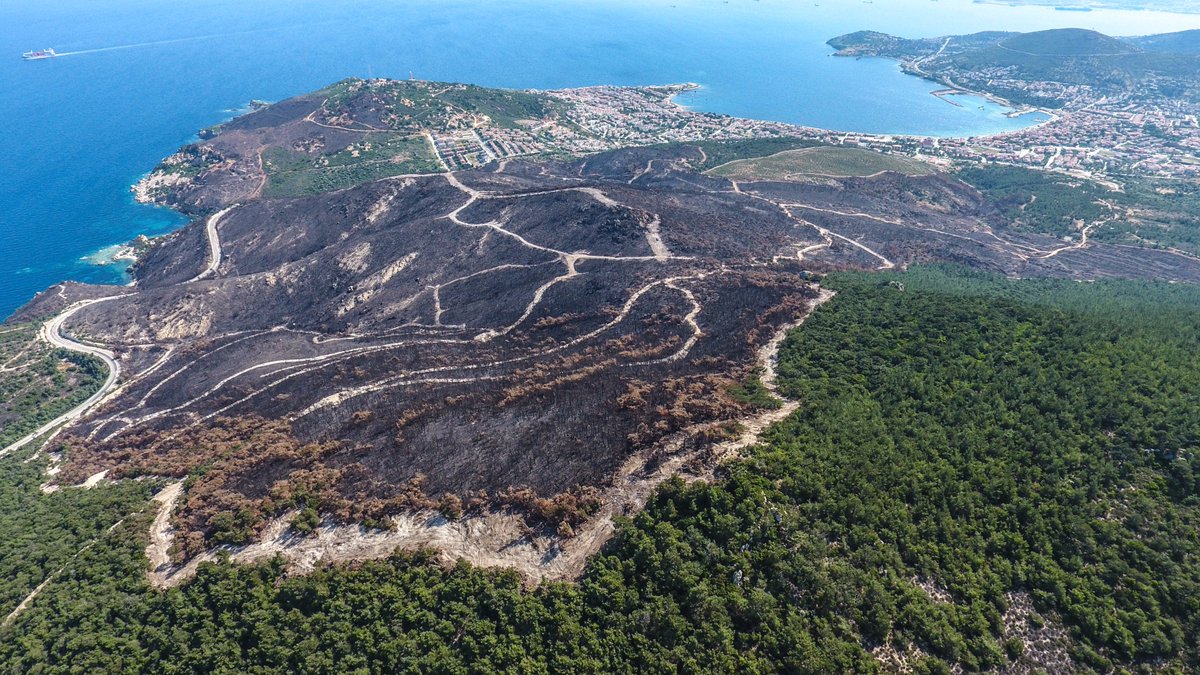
419,328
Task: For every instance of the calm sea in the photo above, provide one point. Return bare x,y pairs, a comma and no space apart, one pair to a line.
76,131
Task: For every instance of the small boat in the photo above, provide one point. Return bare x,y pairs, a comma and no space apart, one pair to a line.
39,54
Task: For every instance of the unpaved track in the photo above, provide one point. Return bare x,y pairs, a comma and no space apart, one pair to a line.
568,259
158,551
490,540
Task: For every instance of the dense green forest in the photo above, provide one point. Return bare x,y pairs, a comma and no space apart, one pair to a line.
39,532
982,472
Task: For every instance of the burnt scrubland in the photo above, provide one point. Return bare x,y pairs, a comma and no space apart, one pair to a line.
495,337
507,339
983,474
556,359
503,338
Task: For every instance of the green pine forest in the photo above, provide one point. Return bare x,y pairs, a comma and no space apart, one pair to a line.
983,473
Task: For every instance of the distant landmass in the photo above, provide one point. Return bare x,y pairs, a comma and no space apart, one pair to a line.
1045,68
1122,107
1178,6
1183,42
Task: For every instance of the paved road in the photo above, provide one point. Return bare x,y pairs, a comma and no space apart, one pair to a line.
214,244
52,332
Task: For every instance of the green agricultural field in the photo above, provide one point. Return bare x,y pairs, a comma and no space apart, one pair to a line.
295,174
721,152
821,161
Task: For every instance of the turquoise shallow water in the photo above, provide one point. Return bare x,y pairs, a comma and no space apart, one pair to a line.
76,131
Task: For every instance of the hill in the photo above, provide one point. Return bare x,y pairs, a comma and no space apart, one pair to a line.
357,131
702,397
1044,68
1069,42
528,338
1183,42
543,338
820,161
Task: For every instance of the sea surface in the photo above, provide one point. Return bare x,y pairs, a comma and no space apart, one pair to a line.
144,75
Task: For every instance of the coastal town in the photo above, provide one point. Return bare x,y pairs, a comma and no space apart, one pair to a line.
1094,136
361,130
1112,110
595,119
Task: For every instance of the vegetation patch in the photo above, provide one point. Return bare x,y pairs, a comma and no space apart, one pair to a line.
415,105
832,161
753,393
1147,212
294,173
721,152
38,383
39,533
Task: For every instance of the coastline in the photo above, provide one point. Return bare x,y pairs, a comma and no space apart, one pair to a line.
681,88
951,88
948,89
124,256
1014,110
149,186
1095,5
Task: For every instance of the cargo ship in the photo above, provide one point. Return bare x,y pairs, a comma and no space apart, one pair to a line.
39,54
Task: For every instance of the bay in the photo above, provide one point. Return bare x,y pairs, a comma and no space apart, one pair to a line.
76,131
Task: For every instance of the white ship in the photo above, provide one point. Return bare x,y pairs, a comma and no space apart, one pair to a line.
39,54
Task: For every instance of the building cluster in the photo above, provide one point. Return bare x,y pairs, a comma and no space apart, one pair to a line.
621,116
1142,132
1094,135
460,149
598,119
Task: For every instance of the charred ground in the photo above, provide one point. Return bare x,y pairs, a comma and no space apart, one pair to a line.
507,337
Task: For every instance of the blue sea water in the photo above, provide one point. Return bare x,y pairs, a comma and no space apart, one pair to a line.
76,131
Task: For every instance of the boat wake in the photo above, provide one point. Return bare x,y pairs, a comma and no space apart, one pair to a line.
156,43
137,45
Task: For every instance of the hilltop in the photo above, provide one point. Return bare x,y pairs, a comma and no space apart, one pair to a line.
1044,68
1183,42
357,131
1066,42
